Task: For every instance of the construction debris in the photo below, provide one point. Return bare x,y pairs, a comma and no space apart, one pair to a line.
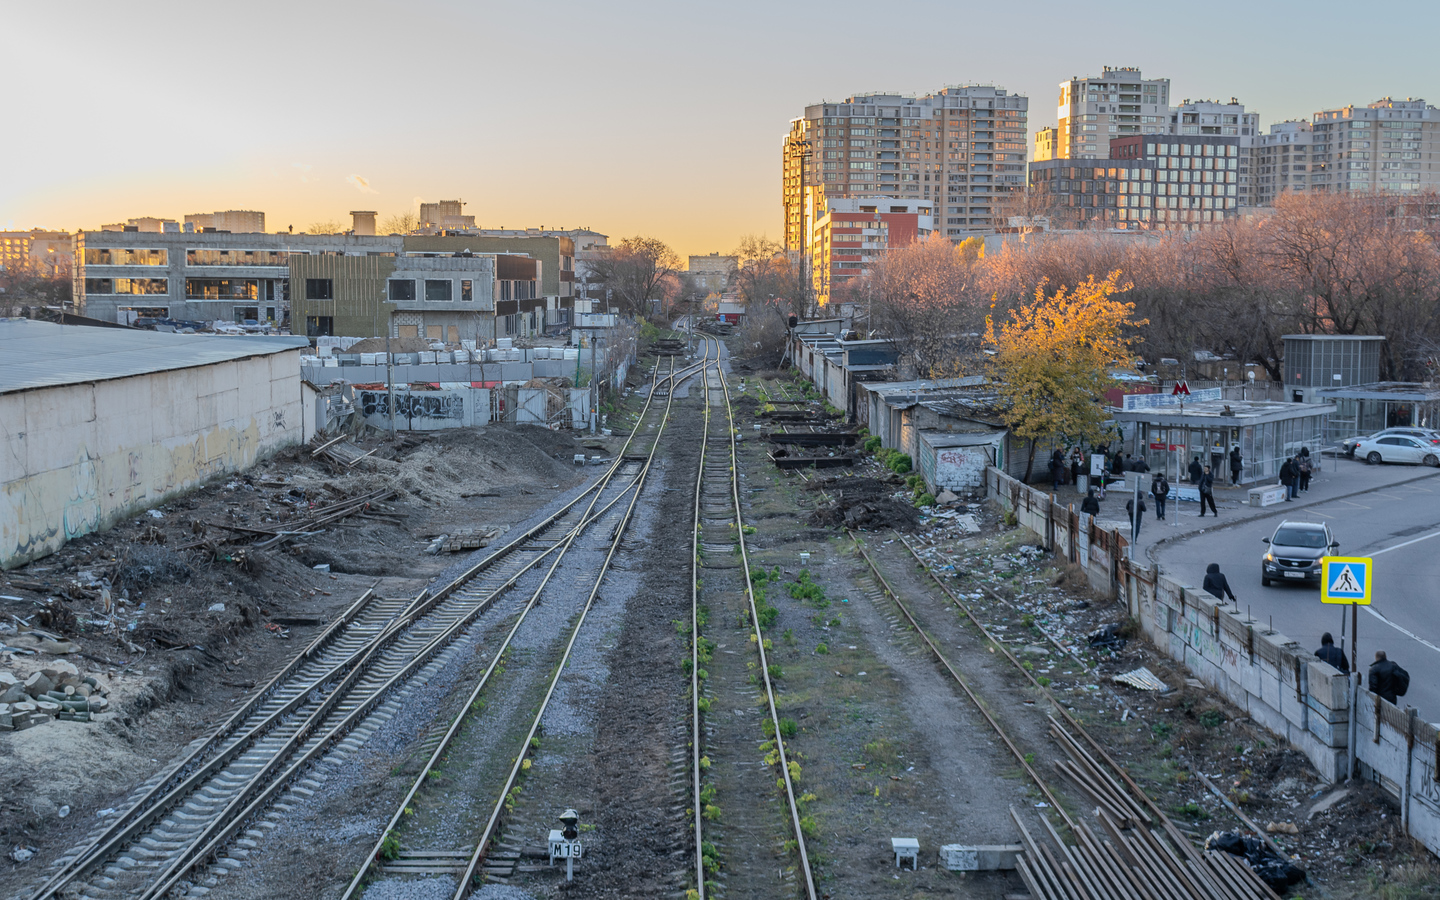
57,691
1142,679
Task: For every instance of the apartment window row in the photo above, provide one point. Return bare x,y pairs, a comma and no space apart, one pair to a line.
437,290
98,286
212,257
124,256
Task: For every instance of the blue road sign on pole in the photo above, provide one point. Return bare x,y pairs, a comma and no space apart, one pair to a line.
1345,579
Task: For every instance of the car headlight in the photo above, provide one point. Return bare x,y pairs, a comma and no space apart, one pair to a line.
1269,557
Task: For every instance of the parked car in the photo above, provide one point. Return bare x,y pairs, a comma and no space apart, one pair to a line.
1347,446
1399,448
1295,552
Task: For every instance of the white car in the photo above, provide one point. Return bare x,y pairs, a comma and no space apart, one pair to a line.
1348,445
1398,448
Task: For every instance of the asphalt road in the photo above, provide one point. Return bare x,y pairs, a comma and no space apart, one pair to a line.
1399,526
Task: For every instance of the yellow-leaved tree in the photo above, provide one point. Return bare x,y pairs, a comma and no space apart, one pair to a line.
1052,358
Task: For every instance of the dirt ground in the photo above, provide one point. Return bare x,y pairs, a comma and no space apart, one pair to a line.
179,616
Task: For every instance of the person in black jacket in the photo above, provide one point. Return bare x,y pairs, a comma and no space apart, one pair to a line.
1117,464
1288,478
1236,465
1207,493
1090,504
1195,470
1387,679
1057,468
1135,514
1160,490
1329,653
1216,585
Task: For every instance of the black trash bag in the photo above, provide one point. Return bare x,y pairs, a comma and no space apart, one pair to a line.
1275,870
1108,638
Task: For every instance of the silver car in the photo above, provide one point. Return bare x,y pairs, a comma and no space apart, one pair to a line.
1398,448
1295,552
1426,435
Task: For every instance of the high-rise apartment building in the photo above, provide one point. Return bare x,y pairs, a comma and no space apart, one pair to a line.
962,149
444,215
1389,146
1280,161
38,251
1096,108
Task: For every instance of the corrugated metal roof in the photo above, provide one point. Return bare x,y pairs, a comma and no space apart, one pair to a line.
43,354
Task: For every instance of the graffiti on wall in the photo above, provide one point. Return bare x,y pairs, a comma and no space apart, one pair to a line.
958,468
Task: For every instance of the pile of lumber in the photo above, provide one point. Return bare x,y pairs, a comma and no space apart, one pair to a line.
57,691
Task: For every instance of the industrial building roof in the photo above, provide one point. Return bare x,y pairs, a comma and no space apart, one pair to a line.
42,354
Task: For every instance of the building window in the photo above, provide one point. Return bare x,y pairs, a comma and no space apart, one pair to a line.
247,315
99,286
402,290
222,289
467,291
319,289
211,257
319,326
437,290
114,256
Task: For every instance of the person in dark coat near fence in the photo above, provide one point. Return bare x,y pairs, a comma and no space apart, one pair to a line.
1387,679
1329,653
1195,470
1090,504
1135,515
1216,585
1117,464
1236,465
1057,468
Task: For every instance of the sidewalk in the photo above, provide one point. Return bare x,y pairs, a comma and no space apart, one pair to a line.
1339,478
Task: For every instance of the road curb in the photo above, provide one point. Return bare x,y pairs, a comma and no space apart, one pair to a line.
1177,538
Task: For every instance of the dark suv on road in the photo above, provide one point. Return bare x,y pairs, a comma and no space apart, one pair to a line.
1295,552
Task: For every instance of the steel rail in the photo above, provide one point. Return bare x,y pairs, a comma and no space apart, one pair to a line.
227,823
695,752
467,878
158,801
760,647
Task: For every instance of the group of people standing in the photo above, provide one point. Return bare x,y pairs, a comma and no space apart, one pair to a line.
1296,472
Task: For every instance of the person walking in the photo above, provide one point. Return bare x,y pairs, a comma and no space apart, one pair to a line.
1216,584
1138,464
1387,679
1160,490
1306,468
1195,470
1136,515
1077,459
1057,469
1236,464
1329,653
1288,477
1207,495
1090,504
1117,464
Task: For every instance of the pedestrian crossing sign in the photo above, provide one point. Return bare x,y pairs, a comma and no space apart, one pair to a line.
1345,579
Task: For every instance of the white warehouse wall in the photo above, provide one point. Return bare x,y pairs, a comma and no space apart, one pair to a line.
77,458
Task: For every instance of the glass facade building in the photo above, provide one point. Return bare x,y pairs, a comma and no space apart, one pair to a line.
1266,432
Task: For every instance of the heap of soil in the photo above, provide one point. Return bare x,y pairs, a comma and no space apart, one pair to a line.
862,503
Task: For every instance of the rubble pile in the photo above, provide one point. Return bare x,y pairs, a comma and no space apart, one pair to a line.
864,503
58,691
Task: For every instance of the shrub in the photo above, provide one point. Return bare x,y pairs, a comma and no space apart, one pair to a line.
926,499
900,463
789,728
822,649
871,444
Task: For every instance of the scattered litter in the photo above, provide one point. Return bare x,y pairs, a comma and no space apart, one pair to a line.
106,813
1142,679
155,514
322,567
64,811
1276,871
217,607
1282,828
1107,638
22,854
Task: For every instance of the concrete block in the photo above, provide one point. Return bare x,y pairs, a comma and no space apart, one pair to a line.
979,858
1329,688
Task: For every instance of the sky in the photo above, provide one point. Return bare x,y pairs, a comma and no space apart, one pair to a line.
628,117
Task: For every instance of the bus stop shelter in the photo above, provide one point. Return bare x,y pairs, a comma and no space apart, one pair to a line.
1267,433
1366,408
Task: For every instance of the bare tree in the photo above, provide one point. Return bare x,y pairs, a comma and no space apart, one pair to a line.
766,276
329,226
920,297
635,272
400,223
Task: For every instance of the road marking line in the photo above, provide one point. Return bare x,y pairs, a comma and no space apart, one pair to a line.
1405,631
1423,537
1356,505
1319,513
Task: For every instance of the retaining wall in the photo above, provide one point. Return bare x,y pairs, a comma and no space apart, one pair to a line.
1276,681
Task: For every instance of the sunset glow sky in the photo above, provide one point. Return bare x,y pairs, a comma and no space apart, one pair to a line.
628,116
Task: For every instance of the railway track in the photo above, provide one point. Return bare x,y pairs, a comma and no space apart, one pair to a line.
323,705
1132,851
437,806
728,793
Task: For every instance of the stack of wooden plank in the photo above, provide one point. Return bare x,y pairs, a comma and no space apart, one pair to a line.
1137,853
